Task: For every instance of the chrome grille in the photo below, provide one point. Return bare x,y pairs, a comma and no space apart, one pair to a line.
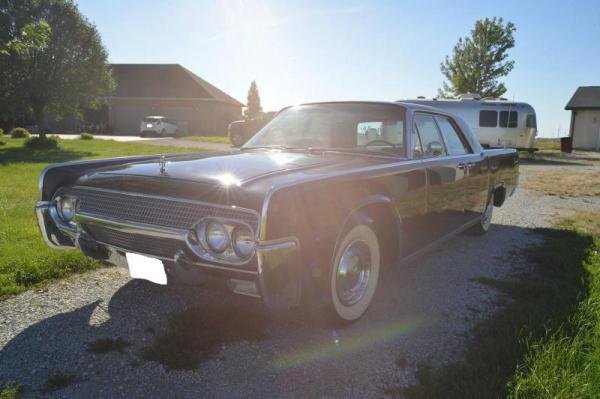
148,245
159,211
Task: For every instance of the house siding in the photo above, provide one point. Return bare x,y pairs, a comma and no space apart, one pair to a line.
586,129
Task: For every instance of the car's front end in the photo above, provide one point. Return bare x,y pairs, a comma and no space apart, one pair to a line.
198,224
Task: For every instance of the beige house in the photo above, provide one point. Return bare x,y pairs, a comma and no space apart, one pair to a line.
585,118
168,90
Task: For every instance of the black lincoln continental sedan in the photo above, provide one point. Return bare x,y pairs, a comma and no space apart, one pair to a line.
313,206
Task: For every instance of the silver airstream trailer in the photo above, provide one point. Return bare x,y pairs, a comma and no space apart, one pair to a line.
496,122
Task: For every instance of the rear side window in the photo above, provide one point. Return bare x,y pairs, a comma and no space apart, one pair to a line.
530,122
509,118
455,142
431,140
488,118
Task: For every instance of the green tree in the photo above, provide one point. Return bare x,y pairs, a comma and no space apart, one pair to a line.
253,106
66,74
478,61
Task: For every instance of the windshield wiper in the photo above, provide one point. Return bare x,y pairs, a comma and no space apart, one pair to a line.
355,150
274,147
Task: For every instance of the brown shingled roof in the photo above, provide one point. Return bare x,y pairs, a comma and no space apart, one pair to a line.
585,97
164,81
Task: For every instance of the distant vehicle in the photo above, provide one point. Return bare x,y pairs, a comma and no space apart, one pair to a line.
495,122
158,125
241,131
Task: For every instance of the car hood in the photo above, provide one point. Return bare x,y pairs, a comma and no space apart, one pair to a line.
236,177
234,168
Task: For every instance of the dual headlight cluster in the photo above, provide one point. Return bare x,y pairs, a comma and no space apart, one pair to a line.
225,240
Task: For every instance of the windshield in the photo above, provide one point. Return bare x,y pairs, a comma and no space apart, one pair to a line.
350,126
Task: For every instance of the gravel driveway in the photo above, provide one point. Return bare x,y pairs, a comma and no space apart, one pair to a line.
422,313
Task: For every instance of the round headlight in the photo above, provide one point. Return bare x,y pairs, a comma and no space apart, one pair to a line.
217,237
243,242
66,208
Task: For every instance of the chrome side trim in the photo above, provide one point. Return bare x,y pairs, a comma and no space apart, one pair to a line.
276,245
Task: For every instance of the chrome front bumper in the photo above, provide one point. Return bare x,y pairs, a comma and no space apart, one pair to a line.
276,280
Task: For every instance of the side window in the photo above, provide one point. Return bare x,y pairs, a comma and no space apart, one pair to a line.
530,122
508,118
454,140
488,118
431,140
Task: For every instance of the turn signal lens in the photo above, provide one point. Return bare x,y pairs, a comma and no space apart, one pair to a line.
66,208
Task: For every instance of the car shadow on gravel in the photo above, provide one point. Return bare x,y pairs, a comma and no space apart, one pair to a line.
420,309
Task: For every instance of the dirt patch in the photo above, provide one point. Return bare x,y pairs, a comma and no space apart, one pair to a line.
564,183
106,345
199,333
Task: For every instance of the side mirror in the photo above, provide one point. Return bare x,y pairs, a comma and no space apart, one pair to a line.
435,148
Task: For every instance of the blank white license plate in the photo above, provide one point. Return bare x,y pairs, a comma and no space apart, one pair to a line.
146,268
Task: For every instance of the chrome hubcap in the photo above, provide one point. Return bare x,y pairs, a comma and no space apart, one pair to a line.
353,272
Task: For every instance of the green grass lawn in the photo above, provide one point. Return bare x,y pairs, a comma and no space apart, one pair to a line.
209,139
24,258
544,342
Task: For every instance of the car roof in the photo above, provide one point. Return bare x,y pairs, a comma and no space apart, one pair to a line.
407,105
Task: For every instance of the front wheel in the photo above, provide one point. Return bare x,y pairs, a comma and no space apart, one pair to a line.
355,273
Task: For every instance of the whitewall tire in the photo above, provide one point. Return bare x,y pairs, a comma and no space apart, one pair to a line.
355,273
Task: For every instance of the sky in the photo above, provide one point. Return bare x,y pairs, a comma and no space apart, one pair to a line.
301,51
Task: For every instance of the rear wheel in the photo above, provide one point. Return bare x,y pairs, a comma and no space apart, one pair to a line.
355,273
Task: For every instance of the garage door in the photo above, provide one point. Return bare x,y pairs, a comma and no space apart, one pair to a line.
127,118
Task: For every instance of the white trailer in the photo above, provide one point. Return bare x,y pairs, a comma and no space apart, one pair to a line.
496,122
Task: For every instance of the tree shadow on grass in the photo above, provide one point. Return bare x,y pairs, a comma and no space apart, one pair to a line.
22,154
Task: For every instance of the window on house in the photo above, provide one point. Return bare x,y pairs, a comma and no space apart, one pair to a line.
488,118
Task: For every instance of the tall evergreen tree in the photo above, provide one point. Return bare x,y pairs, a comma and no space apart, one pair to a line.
479,60
253,105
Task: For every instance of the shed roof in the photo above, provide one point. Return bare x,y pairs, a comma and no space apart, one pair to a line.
164,81
585,97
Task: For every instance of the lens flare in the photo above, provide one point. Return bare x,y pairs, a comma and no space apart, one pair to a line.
339,344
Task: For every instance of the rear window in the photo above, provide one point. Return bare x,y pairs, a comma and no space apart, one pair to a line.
531,123
488,118
508,118
151,120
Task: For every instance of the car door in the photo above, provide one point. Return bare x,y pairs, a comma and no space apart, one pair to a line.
476,183
446,179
